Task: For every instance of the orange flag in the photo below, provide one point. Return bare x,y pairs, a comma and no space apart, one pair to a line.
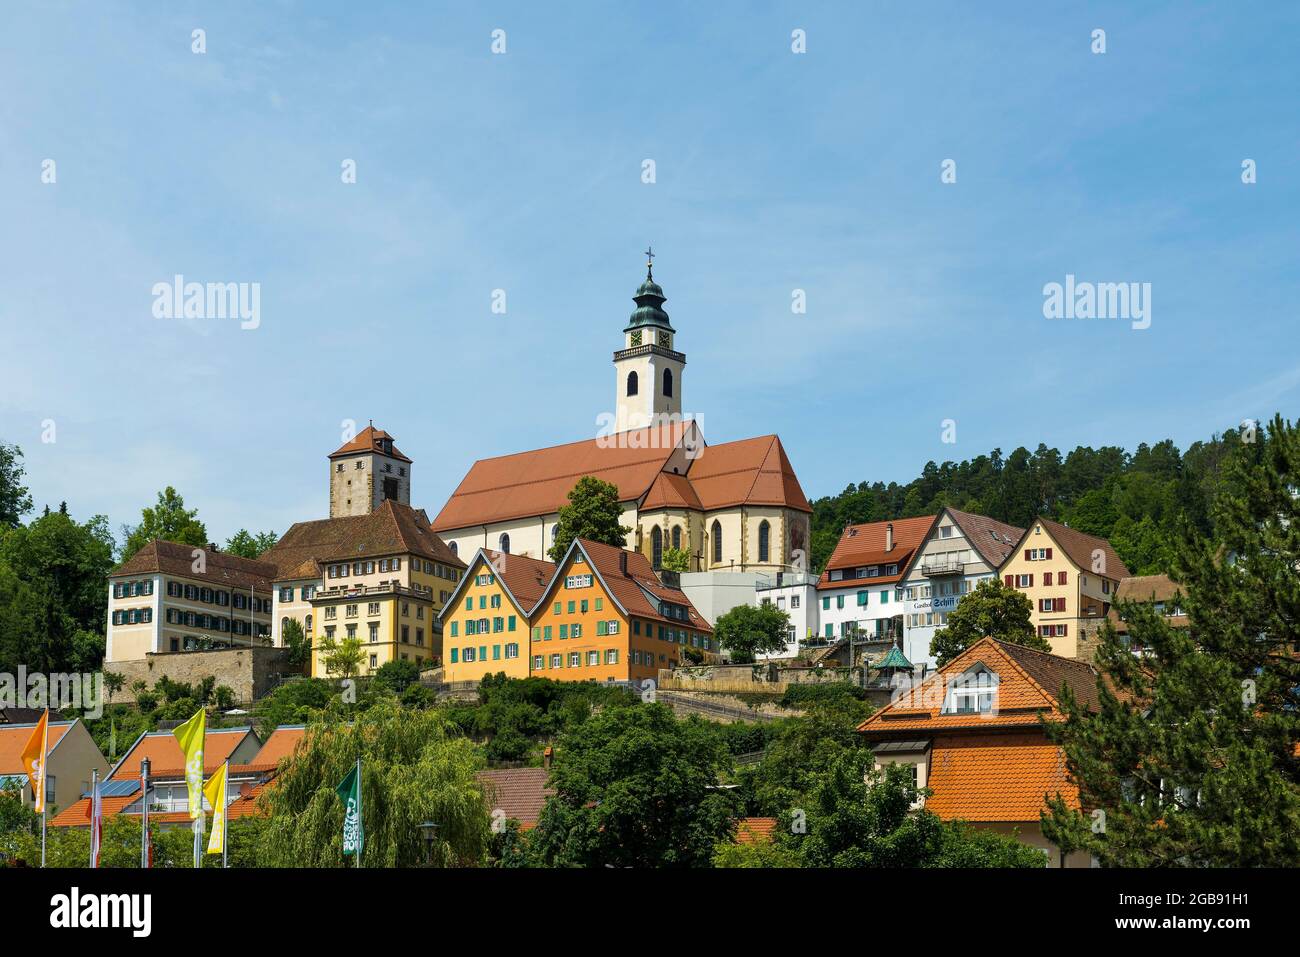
33,759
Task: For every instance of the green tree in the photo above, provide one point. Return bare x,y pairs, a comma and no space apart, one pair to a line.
396,675
677,560
14,500
747,631
413,770
1190,757
53,579
635,787
295,640
593,512
341,657
247,545
169,520
992,610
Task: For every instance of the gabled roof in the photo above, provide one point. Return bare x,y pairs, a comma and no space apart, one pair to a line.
166,760
280,745
528,484
633,588
864,545
392,528
518,792
1078,547
1150,588
749,472
524,579
993,540
671,490
1029,683
370,439
222,569
14,737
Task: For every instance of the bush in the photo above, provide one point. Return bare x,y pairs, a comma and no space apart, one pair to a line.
804,696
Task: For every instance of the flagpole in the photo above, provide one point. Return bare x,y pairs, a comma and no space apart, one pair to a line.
144,812
45,744
225,820
94,787
360,819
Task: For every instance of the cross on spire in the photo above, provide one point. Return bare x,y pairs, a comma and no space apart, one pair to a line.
650,262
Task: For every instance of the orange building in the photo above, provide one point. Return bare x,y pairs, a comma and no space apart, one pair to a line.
971,734
485,621
606,616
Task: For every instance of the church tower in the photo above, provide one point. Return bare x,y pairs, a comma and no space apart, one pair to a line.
367,471
648,373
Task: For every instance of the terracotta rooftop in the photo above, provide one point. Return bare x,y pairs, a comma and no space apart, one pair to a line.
222,569
996,777
370,439
530,484
629,587
275,749
166,759
755,830
864,545
390,529
14,737
519,792
525,578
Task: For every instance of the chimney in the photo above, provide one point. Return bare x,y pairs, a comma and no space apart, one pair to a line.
546,757
622,560
889,537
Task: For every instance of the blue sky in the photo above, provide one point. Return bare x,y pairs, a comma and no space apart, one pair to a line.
522,172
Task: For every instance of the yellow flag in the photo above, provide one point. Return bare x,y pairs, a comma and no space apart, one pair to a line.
33,759
215,792
190,737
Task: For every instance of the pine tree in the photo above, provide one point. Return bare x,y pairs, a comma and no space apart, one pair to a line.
1192,759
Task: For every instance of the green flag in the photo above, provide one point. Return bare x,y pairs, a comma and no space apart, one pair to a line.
350,793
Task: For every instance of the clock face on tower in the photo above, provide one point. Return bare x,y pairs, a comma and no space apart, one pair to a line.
636,337
665,340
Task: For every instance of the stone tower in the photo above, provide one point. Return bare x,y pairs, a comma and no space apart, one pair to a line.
365,472
648,372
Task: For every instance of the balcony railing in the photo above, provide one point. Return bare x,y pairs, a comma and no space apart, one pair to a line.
361,591
783,579
942,566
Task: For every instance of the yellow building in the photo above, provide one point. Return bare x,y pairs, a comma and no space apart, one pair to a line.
485,623
380,578
606,616
1071,578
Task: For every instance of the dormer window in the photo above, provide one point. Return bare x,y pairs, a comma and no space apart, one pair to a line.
974,691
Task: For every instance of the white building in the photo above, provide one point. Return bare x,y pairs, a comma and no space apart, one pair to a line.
859,592
958,552
794,593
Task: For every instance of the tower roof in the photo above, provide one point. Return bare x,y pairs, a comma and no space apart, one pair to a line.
370,439
649,301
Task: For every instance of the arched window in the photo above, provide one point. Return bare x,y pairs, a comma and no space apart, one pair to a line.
656,548
717,542
764,538
308,629
668,382
677,536
452,546
631,383
503,544
284,623
555,530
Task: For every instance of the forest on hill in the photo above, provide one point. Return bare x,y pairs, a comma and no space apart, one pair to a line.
1136,500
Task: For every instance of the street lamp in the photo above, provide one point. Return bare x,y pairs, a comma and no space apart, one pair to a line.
429,831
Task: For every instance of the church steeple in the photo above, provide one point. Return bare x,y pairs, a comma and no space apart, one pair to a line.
649,301
649,370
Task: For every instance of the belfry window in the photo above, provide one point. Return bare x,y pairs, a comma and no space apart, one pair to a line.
668,382
631,383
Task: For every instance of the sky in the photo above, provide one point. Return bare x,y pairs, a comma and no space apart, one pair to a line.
524,171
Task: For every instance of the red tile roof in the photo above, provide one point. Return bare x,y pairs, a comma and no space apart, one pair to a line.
755,830
390,529
524,577
519,792
529,484
370,439
14,738
221,569
166,759
864,545
997,777
276,748
626,586
993,540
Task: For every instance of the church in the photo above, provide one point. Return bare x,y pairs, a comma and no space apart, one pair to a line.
736,508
